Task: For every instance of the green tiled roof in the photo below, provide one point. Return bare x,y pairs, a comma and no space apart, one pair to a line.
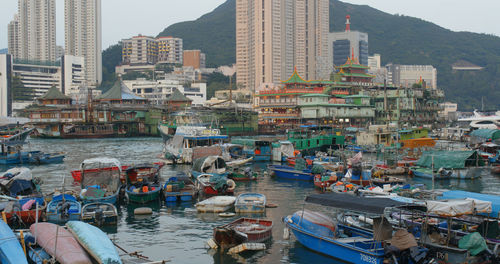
54,93
295,78
356,74
315,95
178,96
119,92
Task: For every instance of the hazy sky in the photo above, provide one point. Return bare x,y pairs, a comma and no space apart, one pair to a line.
126,18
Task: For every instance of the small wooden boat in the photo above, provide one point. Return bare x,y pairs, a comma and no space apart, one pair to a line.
98,183
62,208
180,187
38,158
27,213
243,230
286,172
216,204
11,251
215,184
495,169
66,251
77,174
238,162
291,161
422,172
99,214
214,165
324,181
250,203
143,183
95,241
242,174
35,253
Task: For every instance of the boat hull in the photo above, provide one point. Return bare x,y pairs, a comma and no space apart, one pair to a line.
11,251
229,235
250,203
143,198
286,172
54,214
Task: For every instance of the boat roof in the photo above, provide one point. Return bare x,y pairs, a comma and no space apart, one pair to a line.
356,203
99,161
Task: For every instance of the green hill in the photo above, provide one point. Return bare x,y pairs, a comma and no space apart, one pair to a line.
399,39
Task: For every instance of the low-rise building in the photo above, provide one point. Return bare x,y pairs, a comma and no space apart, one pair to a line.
193,58
37,76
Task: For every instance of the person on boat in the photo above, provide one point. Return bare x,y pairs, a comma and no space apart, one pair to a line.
257,151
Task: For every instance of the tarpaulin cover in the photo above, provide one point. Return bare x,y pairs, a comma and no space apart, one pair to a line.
315,222
486,133
15,174
473,242
450,207
494,199
210,164
450,159
354,203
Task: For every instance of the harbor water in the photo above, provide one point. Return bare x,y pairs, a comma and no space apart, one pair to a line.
176,232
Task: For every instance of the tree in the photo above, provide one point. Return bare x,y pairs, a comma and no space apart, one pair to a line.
20,92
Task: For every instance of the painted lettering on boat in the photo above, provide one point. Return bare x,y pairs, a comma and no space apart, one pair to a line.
368,259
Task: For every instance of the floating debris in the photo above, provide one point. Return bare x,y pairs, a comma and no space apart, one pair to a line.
246,246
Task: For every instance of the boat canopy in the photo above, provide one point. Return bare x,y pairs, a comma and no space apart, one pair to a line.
97,163
450,159
15,174
355,203
486,134
210,164
250,142
457,194
96,172
457,207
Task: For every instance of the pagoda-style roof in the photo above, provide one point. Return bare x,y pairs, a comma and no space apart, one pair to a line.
352,63
295,78
363,75
177,96
119,91
54,93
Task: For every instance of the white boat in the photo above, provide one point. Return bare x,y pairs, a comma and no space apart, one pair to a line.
250,203
238,162
216,204
480,121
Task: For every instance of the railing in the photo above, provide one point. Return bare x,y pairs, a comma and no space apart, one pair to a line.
286,91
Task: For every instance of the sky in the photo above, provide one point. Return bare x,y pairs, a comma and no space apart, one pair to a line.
126,18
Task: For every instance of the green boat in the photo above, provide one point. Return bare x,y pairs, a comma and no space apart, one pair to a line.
242,174
143,184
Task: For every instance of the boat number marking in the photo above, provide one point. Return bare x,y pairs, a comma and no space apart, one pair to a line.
368,259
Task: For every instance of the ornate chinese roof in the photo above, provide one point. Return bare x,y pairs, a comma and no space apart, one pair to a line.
54,93
295,78
177,96
119,92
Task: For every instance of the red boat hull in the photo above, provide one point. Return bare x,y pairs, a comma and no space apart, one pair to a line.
27,217
77,174
256,231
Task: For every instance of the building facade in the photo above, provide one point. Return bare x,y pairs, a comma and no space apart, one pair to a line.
273,37
139,50
193,58
83,36
407,75
169,50
5,85
38,77
348,44
32,33
72,75
159,91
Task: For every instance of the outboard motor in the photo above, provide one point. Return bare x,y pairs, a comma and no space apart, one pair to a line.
65,210
99,216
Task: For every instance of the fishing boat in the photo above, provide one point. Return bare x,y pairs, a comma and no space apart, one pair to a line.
59,243
214,165
423,172
143,184
215,184
216,204
77,174
192,142
62,208
19,182
287,172
243,230
11,251
238,162
95,241
242,174
34,252
98,183
260,150
465,165
23,212
324,181
11,147
99,214
495,169
39,158
250,203
350,244
179,187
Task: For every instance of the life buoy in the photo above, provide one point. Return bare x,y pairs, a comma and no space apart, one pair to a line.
231,185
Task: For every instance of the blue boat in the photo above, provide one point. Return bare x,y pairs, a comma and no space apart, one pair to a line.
287,172
427,173
260,150
100,182
62,208
39,158
315,232
11,251
250,203
179,188
95,241
319,233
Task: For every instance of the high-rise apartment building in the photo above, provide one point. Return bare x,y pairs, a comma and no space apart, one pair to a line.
407,75
169,50
32,33
83,35
139,50
5,85
193,58
343,45
275,36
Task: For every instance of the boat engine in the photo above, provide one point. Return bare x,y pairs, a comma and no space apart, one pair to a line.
99,216
64,210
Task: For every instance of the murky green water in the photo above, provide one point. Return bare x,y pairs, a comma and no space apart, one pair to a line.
178,233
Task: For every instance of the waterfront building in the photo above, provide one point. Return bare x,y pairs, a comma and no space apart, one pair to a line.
448,108
54,97
73,74
348,44
353,110
5,85
355,73
176,101
38,76
274,36
463,65
193,58
120,94
83,36
169,50
126,68
32,32
139,50
158,91
407,75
